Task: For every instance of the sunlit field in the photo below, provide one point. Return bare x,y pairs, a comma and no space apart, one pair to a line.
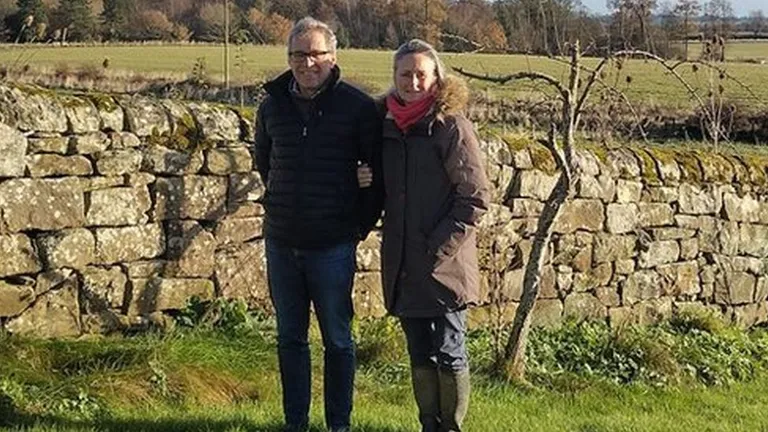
371,69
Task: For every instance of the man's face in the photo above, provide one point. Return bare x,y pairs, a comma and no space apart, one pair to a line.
311,60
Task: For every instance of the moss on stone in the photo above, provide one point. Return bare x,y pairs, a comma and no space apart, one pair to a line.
756,165
103,102
739,168
714,167
186,136
648,170
33,90
517,142
246,113
690,171
542,159
599,151
74,102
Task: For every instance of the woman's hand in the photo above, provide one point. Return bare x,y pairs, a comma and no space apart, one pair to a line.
364,175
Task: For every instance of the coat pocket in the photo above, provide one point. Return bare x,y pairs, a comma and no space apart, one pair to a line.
448,276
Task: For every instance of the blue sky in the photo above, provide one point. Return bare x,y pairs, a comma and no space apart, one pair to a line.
740,7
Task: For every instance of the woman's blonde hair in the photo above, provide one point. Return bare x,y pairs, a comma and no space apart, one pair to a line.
418,46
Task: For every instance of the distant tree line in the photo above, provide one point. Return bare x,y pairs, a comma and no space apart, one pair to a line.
532,26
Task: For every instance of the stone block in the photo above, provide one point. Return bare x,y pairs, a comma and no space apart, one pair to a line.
42,204
190,249
655,215
144,116
628,191
119,206
580,214
681,279
367,295
614,247
190,197
621,218
114,245
227,160
13,147
72,248
368,254
584,306
753,240
744,209
53,165
161,294
534,184
697,201
241,272
82,115
659,252
18,256
90,143
103,289
734,288
54,314
547,313
601,187
15,298
32,109
164,161
118,162
216,123
52,144
639,286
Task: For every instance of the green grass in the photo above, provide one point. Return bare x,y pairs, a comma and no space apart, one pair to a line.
372,69
214,380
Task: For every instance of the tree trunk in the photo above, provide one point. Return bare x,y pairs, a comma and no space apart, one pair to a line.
512,366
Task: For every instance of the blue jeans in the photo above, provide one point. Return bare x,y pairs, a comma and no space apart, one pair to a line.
437,342
323,277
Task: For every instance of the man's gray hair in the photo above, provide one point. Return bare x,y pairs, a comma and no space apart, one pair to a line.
308,24
418,46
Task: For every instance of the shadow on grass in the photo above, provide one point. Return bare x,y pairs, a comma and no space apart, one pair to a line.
26,422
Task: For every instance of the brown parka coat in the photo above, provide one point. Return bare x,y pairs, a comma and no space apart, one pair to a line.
436,191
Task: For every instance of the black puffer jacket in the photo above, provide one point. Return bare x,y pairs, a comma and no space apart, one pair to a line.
309,166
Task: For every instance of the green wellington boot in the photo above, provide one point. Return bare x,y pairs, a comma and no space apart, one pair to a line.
426,390
454,399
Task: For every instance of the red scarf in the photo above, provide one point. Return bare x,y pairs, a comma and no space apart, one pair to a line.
406,115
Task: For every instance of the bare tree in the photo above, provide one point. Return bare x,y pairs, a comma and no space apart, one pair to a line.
686,11
572,97
757,22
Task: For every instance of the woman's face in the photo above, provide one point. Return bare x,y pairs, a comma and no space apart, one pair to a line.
415,77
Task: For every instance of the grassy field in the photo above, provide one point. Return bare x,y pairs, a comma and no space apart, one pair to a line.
372,69
205,380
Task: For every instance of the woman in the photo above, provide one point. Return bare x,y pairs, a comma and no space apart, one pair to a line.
436,191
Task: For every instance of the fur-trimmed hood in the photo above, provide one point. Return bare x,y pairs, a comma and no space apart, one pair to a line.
452,98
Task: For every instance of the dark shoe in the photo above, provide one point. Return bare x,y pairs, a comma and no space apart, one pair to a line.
454,399
340,429
295,428
426,390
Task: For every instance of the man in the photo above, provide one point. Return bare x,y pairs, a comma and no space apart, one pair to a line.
313,130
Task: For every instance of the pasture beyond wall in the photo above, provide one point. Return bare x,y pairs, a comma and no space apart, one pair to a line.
116,210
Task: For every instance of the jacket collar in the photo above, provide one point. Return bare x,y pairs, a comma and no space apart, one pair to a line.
280,87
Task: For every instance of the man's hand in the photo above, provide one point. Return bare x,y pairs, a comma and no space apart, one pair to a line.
364,175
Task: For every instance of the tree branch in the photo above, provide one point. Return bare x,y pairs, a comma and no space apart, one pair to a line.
533,76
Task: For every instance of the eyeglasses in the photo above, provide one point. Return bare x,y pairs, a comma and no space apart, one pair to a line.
301,56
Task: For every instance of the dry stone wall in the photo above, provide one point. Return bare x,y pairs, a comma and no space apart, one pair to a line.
647,233
116,210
